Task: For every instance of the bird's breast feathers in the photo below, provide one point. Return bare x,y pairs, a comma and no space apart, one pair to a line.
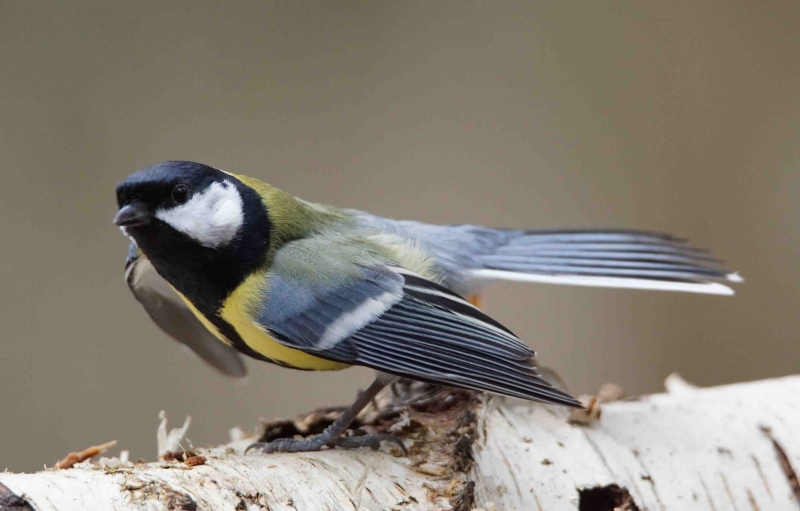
237,311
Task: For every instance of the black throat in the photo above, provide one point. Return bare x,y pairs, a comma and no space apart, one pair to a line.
204,275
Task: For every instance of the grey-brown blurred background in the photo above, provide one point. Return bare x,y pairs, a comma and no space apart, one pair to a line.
674,116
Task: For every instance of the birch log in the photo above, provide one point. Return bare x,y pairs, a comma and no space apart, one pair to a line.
723,448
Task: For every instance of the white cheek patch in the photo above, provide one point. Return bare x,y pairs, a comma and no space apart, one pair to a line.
213,217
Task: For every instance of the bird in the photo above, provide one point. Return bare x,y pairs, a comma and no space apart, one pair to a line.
230,265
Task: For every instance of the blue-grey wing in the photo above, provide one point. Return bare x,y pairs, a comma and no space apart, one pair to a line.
395,321
470,256
169,312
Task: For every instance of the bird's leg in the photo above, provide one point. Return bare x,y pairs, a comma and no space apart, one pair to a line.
332,436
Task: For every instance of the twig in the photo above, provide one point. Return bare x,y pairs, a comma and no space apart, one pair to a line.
86,454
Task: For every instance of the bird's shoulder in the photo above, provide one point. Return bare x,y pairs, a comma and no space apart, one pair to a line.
339,254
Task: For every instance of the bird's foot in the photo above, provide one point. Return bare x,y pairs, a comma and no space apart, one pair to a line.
315,443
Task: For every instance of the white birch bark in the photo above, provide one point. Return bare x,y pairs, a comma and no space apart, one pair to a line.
723,448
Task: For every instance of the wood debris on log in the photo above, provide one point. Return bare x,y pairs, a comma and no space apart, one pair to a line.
77,457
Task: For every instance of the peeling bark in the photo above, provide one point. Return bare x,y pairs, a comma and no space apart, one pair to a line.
733,447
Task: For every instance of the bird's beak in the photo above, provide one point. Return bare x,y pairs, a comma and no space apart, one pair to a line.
132,215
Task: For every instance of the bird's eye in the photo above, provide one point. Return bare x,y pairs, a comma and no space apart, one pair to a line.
180,194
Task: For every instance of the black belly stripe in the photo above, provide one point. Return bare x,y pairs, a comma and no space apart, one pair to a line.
229,332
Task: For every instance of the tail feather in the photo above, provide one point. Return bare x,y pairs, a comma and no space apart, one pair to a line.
627,259
590,235
628,262
631,255
468,257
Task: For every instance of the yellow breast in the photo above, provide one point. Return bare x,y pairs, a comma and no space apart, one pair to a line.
236,311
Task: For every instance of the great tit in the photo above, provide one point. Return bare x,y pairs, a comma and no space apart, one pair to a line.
228,264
